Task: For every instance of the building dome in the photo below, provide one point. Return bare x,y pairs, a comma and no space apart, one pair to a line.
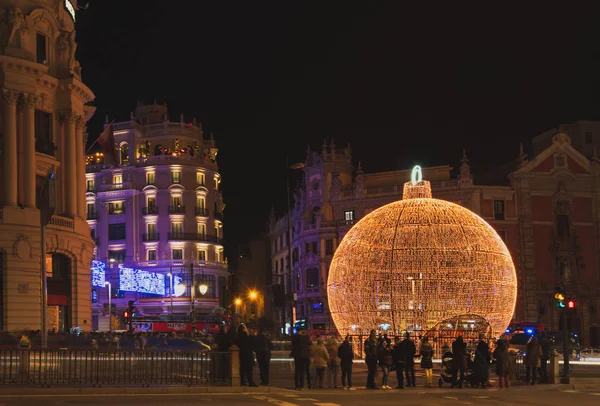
422,264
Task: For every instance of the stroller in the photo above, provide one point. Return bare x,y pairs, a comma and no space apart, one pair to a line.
446,370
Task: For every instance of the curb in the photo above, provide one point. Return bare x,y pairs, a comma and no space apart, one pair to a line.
28,391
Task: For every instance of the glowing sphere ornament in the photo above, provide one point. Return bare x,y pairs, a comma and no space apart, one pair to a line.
421,264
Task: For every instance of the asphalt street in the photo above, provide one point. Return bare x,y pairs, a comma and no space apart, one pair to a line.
522,396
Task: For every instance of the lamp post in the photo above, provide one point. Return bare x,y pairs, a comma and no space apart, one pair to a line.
109,305
237,303
47,207
289,239
171,292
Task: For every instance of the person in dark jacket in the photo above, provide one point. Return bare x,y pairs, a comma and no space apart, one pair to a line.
346,355
246,346
426,353
533,355
459,361
385,355
371,359
410,351
502,362
301,352
399,356
545,345
263,347
481,369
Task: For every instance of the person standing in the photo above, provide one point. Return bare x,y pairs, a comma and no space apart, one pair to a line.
532,359
482,363
502,363
385,361
346,355
410,351
320,358
399,357
459,361
245,344
334,362
371,359
263,356
301,352
426,353
545,346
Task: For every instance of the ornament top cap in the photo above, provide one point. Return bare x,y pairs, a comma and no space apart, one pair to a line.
417,188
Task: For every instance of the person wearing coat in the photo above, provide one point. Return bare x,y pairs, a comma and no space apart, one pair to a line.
459,361
334,362
399,356
482,361
245,343
533,354
410,352
301,352
426,353
263,347
346,355
320,358
371,359
386,360
502,363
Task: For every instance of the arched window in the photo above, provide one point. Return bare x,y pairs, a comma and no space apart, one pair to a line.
124,153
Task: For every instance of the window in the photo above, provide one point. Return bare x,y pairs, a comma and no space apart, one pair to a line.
117,255
151,230
276,267
349,215
40,49
315,248
176,201
116,208
201,255
562,225
150,178
297,282
295,255
219,256
176,177
498,209
217,231
116,231
177,227
90,186
201,230
43,133
201,202
177,253
124,154
216,183
589,138
281,264
91,212
151,255
200,179
502,234
306,248
329,247
312,278
151,205
118,179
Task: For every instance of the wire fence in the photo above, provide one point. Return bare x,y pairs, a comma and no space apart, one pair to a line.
98,368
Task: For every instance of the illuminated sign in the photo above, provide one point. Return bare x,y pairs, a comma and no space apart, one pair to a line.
178,287
70,8
417,175
98,273
137,280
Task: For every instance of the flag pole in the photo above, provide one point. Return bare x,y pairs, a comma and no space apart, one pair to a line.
98,137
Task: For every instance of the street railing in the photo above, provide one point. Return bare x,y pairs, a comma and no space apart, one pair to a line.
97,368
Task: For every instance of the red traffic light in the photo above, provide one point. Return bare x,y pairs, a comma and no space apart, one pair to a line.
126,314
571,304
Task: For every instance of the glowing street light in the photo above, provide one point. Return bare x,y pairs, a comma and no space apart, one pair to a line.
253,294
237,301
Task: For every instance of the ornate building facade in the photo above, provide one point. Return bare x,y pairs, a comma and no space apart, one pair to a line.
547,211
158,213
43,120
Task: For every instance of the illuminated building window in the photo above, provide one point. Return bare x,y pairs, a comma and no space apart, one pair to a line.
177,253
329,247
175,177
201,230
151,205
177,227
90,185
150,178
151,234
116,208
498,209
117,179
200,179
91,211
201,254
151,255
349,215
219,256
117,255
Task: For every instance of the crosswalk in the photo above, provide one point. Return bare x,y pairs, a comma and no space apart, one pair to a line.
291,397
581,392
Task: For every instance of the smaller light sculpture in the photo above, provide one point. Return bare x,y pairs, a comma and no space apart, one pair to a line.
98,273
203,288
137,280
179,287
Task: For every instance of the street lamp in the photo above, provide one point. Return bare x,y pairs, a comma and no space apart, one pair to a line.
295,166
203,288
109,305
171,290
253,295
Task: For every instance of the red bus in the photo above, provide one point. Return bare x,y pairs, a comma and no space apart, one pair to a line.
159,324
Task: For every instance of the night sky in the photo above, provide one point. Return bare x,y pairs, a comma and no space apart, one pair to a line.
402,85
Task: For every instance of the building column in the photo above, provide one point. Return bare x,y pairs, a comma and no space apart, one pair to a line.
70,164
9,116
80,163
29,164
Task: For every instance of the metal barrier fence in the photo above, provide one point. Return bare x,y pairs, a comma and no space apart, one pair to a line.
98,368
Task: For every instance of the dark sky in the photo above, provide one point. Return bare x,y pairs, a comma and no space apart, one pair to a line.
402,85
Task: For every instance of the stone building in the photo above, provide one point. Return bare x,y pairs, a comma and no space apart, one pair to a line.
158,211
43,120
546,209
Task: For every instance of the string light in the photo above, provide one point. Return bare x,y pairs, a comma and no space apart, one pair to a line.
421,264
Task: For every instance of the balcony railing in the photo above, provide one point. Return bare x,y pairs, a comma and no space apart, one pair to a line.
151,237
201,211
150,210
47,148
116,186
177,209
195,237
115,211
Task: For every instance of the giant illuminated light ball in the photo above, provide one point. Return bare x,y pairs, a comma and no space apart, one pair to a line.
421,264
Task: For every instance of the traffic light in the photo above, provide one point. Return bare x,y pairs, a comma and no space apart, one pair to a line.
559,297
126,316
129,311
571,304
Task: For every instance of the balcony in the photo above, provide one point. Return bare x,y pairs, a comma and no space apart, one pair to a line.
218,215
180,236
116,186
150,210
177,209
150,237
116,210
45,147
201,211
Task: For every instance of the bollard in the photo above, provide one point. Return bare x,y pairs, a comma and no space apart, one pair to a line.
24,366
234,365
553,369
